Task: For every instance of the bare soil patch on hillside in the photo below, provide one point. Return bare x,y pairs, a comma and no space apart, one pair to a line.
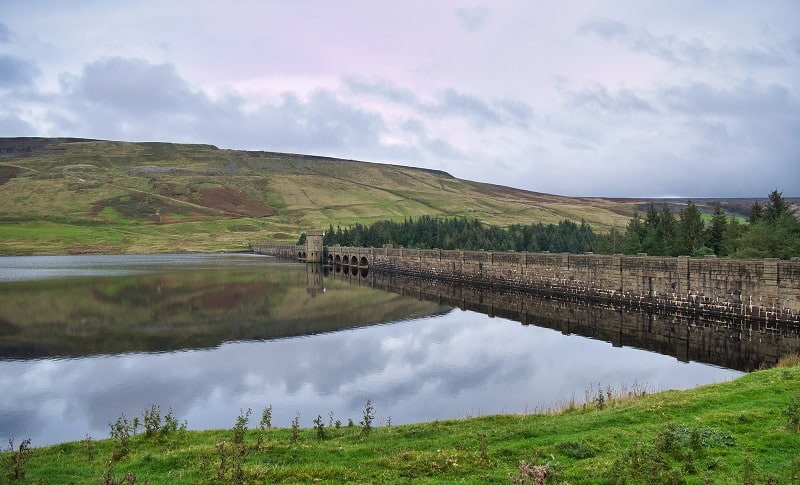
149,207
232,202
7,173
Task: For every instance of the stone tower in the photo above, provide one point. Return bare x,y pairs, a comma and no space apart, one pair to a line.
314,246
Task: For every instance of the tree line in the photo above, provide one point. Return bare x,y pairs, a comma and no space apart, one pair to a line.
465,234
771,231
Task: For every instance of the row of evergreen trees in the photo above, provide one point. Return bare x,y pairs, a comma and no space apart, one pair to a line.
466,234
772,231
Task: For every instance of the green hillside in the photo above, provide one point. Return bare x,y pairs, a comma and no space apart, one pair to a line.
73,196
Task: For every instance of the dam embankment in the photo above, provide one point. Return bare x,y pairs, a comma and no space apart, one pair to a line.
765,290
729,343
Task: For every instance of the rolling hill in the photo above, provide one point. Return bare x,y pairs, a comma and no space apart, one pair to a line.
67,195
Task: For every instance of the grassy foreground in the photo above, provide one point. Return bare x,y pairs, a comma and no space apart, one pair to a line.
742,431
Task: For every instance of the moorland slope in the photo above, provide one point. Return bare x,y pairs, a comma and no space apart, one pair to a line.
67,195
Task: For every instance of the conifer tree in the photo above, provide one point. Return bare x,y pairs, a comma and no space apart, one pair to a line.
718,230
756,213
653,241
776,234
632,244
777,207
691,230
733,235
668,230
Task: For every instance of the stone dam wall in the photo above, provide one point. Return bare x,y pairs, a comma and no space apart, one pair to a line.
765,290
731,343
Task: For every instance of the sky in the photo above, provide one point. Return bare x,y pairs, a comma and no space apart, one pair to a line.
617,98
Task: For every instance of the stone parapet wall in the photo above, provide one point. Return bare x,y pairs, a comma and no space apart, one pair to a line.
765,290
735,343
289,251
762,289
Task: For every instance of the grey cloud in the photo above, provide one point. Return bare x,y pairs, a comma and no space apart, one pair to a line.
748,128
575,144
451,102
614,31
755,57
321,123
448,103
678,51
5,34
713,132
747,99
414,126
519,112
735,139
443,150
10,123
16,72
134,86
473,18
382,89
713,137
605,28
134,99
695,52
660,47
440,149
599,99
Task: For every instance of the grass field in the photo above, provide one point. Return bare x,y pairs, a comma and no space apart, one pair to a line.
744,431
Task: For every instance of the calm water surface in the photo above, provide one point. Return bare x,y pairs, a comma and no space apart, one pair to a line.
86,338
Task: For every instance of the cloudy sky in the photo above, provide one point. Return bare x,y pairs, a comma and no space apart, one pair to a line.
608,98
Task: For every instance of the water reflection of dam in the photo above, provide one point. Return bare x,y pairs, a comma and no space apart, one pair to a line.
741,345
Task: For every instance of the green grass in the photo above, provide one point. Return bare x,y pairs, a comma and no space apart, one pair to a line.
734,432
706,217
225,234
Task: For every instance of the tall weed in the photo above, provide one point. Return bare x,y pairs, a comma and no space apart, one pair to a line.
17,460
368,417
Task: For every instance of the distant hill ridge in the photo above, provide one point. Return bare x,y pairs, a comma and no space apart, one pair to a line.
23,145
84,195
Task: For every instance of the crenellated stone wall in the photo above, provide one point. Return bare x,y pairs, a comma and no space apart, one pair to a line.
728,342
288,251
765,290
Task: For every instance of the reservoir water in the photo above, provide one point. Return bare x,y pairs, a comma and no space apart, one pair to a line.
84,339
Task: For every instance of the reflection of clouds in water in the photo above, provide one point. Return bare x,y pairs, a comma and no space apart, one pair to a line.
458,364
